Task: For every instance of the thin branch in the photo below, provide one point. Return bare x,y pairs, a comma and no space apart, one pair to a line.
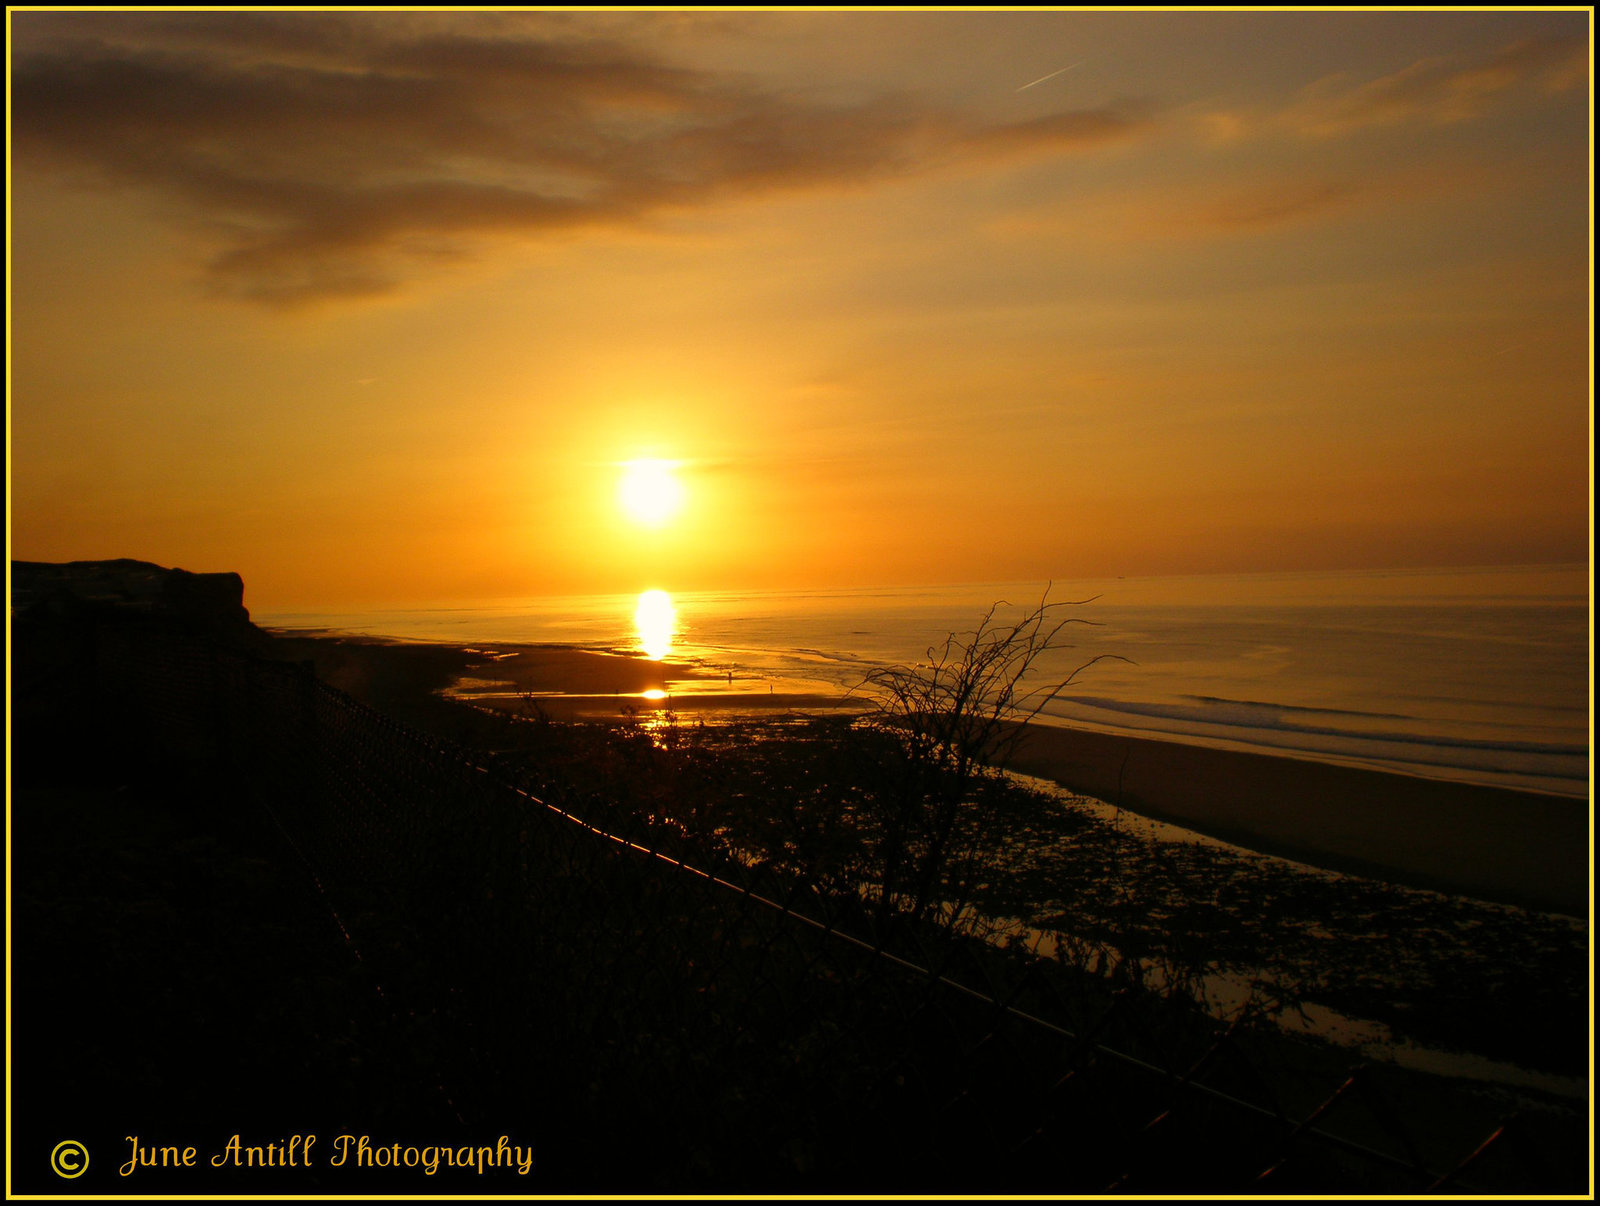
955,715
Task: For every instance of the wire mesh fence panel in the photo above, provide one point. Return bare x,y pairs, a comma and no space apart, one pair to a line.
664,1015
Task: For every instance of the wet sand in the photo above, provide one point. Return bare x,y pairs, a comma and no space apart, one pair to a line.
1493,843
368,666
564,682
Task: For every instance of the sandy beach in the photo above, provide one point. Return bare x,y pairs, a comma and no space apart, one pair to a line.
1494,843
564,682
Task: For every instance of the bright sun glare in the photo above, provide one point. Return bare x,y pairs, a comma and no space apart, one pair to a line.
651,492
657,621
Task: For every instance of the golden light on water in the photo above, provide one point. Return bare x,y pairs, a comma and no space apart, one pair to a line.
650,491
656,620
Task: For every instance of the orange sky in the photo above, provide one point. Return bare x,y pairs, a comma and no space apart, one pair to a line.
370,307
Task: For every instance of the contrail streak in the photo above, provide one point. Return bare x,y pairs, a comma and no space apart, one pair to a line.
1051,76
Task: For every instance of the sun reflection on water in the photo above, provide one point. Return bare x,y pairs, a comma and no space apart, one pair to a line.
657,622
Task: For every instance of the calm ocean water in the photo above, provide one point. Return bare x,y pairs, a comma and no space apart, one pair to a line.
1478,675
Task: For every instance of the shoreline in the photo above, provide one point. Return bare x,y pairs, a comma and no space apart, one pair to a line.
1502,844
1516,847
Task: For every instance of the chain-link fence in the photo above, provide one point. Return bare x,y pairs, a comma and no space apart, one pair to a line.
666,1019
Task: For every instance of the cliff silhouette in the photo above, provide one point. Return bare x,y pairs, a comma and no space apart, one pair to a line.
125,587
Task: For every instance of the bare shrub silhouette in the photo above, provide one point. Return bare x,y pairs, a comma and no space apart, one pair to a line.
956,717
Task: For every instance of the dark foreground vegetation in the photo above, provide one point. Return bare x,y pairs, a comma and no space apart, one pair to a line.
1094,888
245,904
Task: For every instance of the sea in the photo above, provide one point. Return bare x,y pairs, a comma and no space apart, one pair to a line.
1477,675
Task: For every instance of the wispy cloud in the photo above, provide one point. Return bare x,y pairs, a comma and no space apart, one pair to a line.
1433,91
1438,90
337,154
1260,204
1277,203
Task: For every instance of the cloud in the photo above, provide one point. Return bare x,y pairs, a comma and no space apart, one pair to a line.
1438,90
1432,91
1260,203
336,154
1276,204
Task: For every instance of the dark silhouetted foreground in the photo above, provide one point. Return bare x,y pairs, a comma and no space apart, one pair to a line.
247,904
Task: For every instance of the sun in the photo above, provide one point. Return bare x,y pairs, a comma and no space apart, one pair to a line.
650,491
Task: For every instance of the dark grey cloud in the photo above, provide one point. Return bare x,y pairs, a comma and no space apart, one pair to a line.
335,154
